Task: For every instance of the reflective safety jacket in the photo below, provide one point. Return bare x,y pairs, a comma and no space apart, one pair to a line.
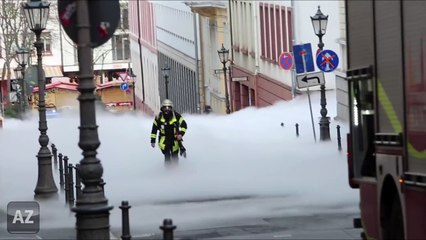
168,130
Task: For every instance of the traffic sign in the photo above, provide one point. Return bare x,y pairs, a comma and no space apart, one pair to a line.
104,18
327,60
124,86
286,61
239,79
303,58
310,79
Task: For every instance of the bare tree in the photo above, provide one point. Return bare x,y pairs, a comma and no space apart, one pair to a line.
14,33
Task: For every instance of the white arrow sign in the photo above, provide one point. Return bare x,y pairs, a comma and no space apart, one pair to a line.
310,79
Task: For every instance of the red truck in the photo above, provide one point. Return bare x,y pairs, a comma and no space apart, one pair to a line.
386,54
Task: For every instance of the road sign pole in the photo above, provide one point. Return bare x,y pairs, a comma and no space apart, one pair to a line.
309,98
312,116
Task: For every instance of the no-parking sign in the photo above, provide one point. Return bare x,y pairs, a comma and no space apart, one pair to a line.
286,61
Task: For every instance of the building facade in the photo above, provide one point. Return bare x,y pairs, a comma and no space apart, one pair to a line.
255,32
213,32
110,60
13,30
143,48
177,50
256,58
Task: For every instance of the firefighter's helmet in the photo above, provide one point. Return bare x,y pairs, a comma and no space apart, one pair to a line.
167,103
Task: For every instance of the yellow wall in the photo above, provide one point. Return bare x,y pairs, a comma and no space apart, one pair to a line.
58,98
115,94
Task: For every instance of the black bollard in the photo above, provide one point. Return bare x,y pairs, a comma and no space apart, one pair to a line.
66,178
168,228
61,171
339,140
77,182
282,124
71,185
125,220
297,129
55,155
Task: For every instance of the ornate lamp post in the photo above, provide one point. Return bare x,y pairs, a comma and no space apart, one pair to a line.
223,56
23,55
37,13
92,209
166,73
319,22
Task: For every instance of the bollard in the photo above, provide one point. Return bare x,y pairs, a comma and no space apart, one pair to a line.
77,182
71,185
125,220
168,228
55,155
61,171
339,140
66,178
297,129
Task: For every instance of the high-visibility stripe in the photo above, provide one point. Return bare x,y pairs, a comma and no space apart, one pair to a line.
180,120
183,129
153,135
161,143
388,108
393,118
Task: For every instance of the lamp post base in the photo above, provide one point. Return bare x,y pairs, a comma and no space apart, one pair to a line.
324,129
46,186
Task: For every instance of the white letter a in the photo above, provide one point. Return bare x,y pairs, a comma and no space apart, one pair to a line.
18,217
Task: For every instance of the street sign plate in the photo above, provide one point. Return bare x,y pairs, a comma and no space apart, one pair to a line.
310,79
104,19
239,79
303,58
327,60
124,86
286,61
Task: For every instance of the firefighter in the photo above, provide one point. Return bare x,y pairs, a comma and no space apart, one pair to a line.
172,127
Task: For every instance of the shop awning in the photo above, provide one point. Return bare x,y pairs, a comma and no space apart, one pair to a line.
50,71
53,71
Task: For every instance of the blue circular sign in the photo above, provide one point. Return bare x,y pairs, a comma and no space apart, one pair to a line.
124,86
327,60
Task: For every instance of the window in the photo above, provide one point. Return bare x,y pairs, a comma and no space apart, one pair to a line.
120,47
46,38
275,30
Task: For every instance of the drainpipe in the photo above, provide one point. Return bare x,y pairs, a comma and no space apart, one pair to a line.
140,56
197,65
60,42
293,72
231,92
258,46
202,88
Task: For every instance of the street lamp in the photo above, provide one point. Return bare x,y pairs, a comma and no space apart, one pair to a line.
23,56
37,13
166,73
91,208
18,88
319,22
223,56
